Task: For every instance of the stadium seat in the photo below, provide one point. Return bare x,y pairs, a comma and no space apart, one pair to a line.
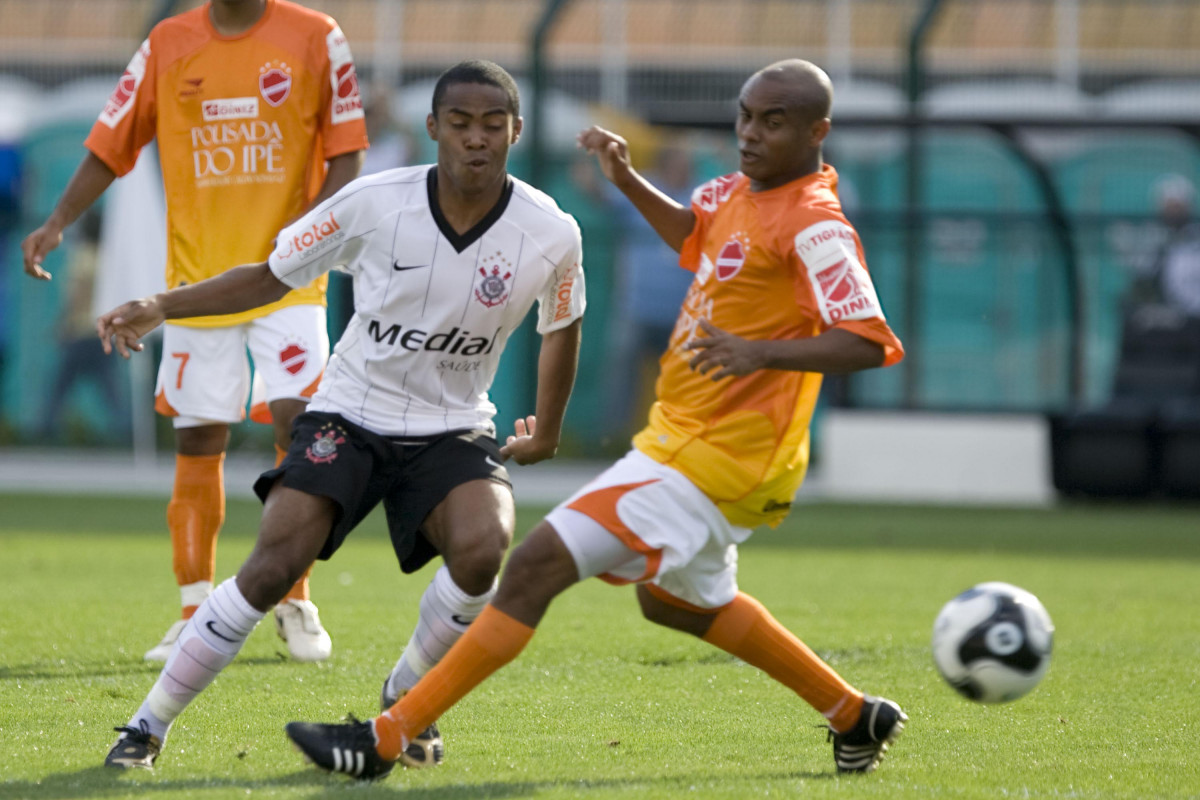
1178,447
1107,452
1159,357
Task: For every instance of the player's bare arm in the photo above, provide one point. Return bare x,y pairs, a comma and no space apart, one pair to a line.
669,219
339,171
537,436
239,289
833,352
91,178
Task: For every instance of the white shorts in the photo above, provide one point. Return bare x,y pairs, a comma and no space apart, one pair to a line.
643,522
204,377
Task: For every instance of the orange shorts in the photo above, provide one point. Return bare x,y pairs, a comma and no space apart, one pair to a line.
643,522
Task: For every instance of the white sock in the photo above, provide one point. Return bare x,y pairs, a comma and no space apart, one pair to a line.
193,594
446,611
210,640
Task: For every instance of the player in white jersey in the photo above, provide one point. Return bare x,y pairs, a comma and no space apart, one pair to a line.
447,260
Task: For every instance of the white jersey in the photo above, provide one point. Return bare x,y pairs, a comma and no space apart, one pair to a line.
433,309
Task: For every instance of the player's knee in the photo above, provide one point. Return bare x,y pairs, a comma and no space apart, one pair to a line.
475,562
669,616
541,563
266,579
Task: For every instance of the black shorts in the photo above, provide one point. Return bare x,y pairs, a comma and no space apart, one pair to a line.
332,457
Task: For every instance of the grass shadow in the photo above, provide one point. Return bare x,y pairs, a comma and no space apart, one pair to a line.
101,782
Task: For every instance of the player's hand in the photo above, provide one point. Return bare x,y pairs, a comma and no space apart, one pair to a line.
35,247
525,447
724,352
610,149
125,324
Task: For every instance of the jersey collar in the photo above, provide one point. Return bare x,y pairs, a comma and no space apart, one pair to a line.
461,241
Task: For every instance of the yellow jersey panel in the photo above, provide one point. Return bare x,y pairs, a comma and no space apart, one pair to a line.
779,264
244,126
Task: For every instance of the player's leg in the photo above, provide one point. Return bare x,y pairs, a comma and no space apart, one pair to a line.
295,526
702,598
454,498
290,347
202,384
471,529
538,570
327,484
568,546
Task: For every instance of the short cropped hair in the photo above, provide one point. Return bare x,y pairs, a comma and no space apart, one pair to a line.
478,71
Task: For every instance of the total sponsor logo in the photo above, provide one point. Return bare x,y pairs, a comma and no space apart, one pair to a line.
229,108
311,240
564,293
456,341
840,283
252,148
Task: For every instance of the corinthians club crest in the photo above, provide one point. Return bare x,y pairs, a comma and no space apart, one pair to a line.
324,449
492,287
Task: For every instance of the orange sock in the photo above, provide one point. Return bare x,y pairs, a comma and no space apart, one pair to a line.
493,640
194,517
300,590
747,630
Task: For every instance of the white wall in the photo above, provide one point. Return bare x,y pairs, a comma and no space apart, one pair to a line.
938,458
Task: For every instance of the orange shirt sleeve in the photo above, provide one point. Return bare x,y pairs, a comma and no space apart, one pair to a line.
343,126
828,258
128,120
705,200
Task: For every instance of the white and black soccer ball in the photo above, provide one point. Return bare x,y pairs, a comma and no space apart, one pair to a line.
992,643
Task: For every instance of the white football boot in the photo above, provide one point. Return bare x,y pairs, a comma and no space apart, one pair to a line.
162,650
298,624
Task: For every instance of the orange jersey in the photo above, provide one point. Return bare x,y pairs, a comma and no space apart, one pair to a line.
244,126
778,264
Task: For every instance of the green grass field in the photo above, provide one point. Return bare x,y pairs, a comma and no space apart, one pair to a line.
604,705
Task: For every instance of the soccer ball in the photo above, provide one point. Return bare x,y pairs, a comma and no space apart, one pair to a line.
992,642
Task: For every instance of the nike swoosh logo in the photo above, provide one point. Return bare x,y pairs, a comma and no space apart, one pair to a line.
493,462
402,267
211,625
461,620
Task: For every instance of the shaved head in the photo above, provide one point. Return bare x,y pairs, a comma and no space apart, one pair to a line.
806,86
783,117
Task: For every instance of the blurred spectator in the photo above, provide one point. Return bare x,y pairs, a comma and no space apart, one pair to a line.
1169,282
81,359
650,287
392,144
10,200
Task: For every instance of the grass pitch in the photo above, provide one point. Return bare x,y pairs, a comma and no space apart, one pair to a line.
604,705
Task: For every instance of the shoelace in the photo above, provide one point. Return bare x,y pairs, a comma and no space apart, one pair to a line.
138,734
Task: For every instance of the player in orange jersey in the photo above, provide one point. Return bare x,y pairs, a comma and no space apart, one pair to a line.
255,107
781,295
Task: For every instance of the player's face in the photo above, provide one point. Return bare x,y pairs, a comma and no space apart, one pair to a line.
474,129
777,144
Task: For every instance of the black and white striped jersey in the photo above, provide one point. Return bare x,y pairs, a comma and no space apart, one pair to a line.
433,308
